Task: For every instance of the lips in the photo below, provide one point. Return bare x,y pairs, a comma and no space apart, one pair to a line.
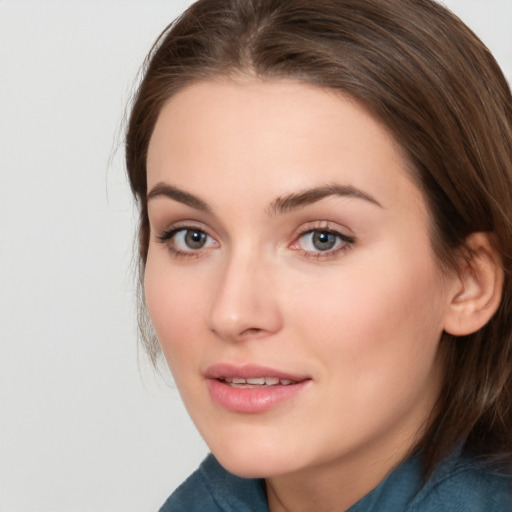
237,382
245,372
252,389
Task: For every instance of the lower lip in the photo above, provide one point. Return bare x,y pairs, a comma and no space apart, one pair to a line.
252,400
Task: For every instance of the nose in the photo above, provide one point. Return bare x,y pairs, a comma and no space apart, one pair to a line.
245,304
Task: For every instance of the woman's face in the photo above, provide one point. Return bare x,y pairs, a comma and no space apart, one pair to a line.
290,277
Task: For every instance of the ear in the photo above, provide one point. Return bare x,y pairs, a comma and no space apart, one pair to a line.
477,288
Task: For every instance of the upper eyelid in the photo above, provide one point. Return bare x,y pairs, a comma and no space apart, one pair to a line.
333,231
325,225
343,236
167,238
347,243
306,227
165,220
184,225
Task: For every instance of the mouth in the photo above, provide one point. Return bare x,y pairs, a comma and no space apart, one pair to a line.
252,389
258,382
251,375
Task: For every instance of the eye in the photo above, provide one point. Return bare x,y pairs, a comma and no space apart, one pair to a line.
191,239
322,242
187,241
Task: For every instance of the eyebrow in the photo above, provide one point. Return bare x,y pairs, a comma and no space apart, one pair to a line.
166,190
298,200
288,203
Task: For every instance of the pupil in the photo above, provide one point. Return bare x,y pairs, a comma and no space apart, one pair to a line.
195,239
323,240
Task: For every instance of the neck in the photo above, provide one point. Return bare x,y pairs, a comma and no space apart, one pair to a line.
340,482
337,485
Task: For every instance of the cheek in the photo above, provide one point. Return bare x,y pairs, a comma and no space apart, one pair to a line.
175,306
376,320
376,335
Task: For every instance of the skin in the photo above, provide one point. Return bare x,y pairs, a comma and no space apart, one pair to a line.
361,320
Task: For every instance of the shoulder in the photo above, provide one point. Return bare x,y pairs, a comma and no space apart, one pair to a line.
464,485
193,495
211,488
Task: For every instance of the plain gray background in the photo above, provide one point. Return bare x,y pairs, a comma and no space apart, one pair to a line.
85,424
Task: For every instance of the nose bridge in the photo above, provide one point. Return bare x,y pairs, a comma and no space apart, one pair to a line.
243,304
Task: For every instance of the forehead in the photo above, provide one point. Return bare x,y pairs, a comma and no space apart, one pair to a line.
247,136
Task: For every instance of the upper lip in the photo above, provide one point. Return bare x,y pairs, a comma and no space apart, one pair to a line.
249,371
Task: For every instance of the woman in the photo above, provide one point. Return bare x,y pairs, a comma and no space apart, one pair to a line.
325,245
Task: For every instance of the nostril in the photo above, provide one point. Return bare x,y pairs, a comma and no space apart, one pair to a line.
251,331
239,311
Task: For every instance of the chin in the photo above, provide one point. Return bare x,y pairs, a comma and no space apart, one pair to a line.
252,468
255,461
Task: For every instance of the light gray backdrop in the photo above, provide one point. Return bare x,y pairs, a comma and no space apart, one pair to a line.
85,425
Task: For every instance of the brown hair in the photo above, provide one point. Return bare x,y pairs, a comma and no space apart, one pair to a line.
419,70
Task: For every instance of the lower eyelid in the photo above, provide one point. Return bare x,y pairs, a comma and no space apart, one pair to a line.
168,238
345,243
343,237
327,255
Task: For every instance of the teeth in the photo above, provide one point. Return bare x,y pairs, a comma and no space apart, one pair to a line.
259,381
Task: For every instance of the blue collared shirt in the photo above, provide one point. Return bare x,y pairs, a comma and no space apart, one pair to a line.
459,484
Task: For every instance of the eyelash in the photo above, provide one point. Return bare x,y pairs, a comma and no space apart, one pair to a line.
168,236
345,242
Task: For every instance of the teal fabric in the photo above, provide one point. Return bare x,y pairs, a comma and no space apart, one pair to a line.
459,484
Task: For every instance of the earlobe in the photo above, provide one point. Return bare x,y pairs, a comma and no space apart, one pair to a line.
478,288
